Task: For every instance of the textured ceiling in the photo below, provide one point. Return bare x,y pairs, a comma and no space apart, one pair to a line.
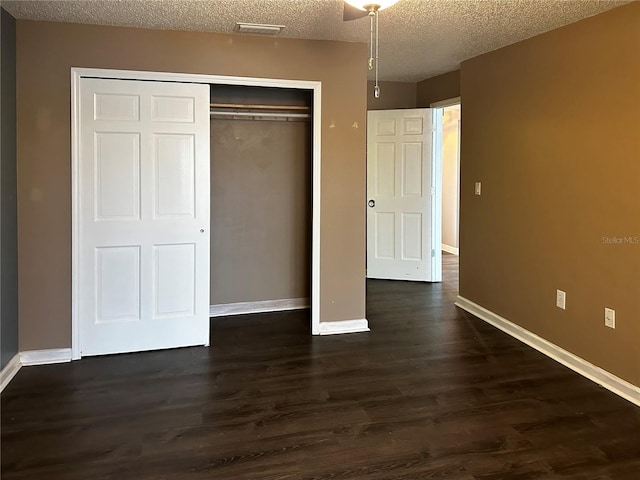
418,38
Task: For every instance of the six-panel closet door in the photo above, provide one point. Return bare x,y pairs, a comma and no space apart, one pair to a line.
143,215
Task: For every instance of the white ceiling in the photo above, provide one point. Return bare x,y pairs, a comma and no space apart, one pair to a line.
418,38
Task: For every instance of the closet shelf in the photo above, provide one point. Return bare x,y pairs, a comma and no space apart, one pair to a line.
239,106
260,112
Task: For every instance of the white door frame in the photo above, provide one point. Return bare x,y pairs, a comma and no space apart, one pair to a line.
436,200
449,102
78,73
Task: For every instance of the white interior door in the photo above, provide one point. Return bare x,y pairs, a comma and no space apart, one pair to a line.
401,195
143,270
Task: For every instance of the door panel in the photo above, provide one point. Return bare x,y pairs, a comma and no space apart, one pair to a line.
399,189
173,109
116,107
174,262
143,215
412,236
386,235
412,160
117,181
174,172
386,169
118,279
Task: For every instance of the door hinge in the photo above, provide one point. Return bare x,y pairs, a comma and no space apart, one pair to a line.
433,191
433,253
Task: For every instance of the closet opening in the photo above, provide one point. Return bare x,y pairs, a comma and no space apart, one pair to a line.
261,199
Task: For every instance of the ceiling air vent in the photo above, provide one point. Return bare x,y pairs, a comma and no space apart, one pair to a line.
259,28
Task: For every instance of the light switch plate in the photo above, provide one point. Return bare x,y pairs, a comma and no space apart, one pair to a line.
610,317
561,299
478,188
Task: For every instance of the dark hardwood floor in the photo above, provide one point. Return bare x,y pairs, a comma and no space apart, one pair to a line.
430,392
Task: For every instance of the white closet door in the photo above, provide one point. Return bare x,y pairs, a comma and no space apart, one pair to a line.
144,215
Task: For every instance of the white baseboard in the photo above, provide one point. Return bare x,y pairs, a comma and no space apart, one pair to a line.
609,381
243,308
32,357
9,371
344,326
45,357
450,249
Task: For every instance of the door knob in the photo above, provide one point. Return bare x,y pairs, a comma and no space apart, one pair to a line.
372,203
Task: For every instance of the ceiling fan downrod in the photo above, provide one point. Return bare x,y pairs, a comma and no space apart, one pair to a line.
373,10
373,61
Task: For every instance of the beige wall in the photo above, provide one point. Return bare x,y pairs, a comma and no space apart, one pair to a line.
260,210
552,129
450,175
46,52
435,89
393,95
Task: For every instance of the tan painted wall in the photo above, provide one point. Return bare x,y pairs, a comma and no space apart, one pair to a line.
260,210
46,52
435,89
450,174
393,95
552,129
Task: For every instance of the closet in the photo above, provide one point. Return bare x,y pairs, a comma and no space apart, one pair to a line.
261,167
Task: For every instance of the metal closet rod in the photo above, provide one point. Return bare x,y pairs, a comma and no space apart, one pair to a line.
260,112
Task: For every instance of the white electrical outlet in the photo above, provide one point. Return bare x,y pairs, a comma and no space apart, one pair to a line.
478,188
610,317
561,299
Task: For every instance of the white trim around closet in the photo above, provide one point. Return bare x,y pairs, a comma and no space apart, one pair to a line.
315,86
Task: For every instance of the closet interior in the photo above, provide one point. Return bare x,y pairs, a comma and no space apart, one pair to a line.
261,167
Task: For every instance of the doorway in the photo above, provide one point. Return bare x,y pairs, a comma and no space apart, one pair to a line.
448,120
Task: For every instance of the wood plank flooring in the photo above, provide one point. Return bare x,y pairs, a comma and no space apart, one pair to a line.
430,392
